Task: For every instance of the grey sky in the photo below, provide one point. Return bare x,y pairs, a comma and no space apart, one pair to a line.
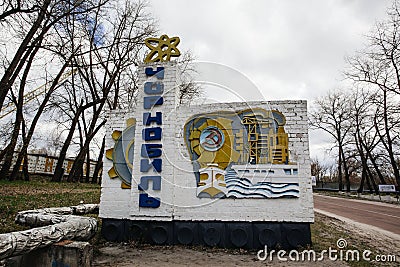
288,49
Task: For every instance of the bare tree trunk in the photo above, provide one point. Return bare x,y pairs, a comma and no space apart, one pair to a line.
87,167
361,186
59,170
370,177
2,154
4,172
18,120
25,168
340,175
99,163
369,184
76,169
364,158
373,161
389,143
27,140
374,185
58,173
346,172
359,149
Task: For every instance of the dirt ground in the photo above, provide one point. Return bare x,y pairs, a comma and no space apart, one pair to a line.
160,256
129,254
125,254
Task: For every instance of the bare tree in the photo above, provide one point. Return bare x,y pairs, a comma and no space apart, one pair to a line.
188,89
25,48
332,115
10,8
45,18
110,52
101,43
9,150
318,169
377,67
27,138
99,163
364,134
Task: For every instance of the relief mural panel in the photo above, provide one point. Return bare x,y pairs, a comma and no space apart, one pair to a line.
241,154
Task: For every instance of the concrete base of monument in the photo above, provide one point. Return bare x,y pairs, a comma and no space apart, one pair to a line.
64,253
249,235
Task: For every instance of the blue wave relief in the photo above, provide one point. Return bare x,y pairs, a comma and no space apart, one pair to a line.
244,188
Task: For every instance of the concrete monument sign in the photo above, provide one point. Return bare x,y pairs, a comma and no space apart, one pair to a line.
225,174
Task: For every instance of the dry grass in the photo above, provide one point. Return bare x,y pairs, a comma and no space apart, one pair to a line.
326,231
20,195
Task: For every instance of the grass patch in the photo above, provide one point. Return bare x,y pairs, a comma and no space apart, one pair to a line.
18,196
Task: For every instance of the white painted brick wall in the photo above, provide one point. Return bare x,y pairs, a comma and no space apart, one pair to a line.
114,201
178,188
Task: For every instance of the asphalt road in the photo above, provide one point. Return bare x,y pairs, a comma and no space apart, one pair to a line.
381,215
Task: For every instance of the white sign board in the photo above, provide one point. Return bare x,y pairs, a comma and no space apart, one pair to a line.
387,188
313,181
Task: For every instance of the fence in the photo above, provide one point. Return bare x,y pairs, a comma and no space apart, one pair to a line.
44,164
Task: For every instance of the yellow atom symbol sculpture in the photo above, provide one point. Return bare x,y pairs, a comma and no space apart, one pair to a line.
162,49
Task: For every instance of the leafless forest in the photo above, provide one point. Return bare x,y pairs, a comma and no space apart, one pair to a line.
65,64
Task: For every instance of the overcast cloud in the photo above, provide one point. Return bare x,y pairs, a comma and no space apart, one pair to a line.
288,49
